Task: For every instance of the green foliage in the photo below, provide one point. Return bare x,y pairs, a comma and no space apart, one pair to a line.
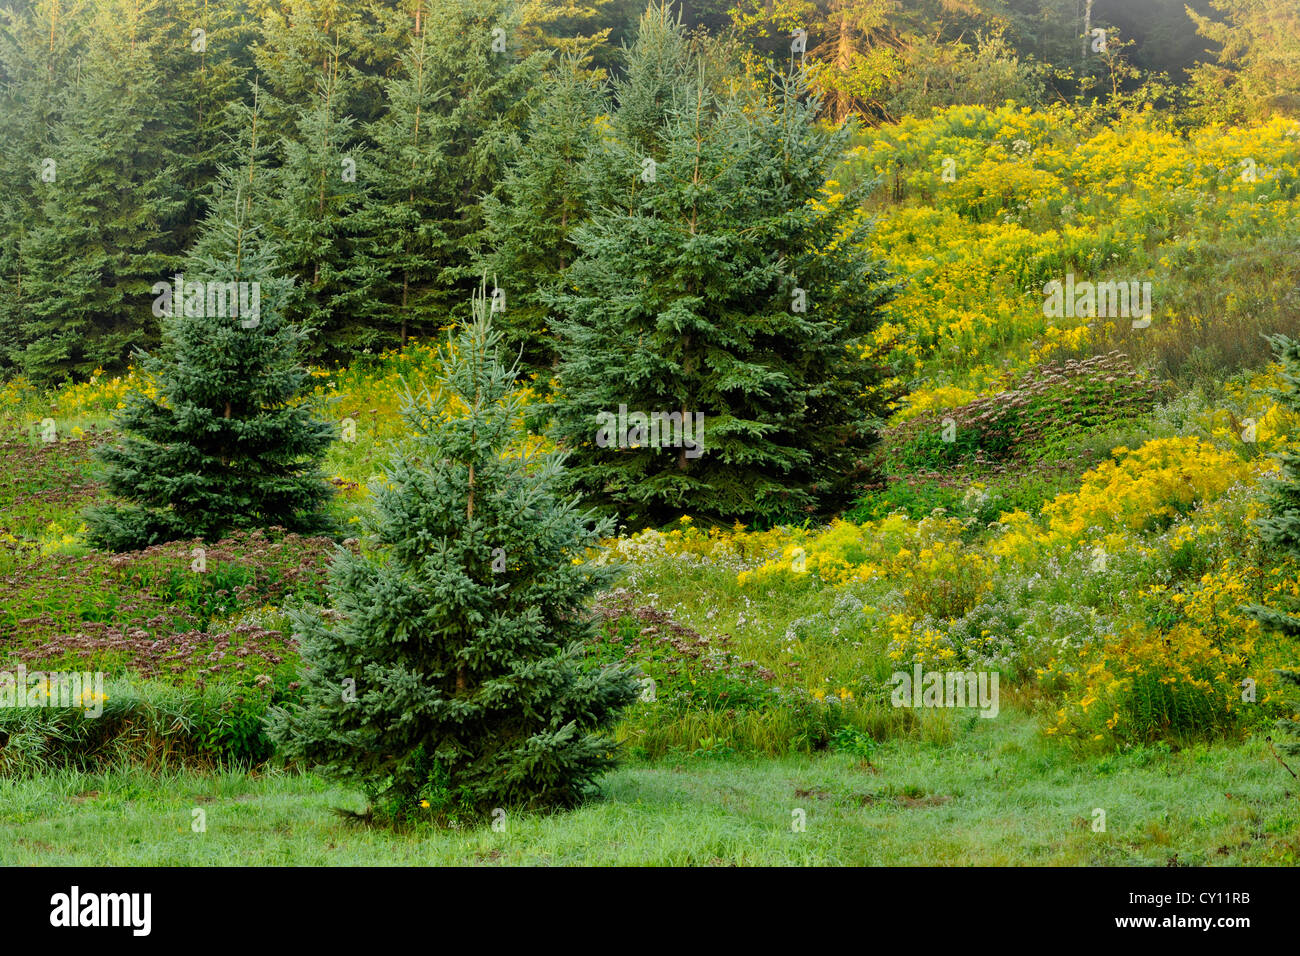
542,201
940,74
853,48
701,698
1043,415
852,741
131,100
712,280
146,723
1257,66
152,614
35,66
228,441
1291,725
440,145
92,239
38,477
915,497
1280,527
1248,285
1016,800
461,622
317,197
685,670
1016,448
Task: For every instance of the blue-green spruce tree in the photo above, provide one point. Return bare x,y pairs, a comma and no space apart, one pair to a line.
715,276
450,666
230,436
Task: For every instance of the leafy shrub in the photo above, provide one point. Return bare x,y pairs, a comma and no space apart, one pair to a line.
852,741
913,496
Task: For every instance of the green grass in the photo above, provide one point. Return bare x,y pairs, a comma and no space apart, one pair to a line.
997,795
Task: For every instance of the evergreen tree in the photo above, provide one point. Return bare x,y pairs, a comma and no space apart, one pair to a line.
452,671
657,79
853,50
717,280
301,44
542,201
224,438
401,172
440,147
1286,725
96,243
316,198
206,66
38,47
594,28
566,25
1280,527
310,55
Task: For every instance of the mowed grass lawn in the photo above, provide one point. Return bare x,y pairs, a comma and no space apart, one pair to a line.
998,794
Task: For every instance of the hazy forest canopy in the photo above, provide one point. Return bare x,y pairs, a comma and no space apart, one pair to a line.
473,406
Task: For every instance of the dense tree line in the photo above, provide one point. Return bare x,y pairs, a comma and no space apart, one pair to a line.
662,242
650,216
392,130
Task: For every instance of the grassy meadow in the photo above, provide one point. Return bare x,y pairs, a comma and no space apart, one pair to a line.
994,794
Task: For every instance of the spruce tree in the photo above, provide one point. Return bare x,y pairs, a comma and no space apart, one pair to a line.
659,73
38,46
450,667
301,45
716,279
313,59
401,171
461,91
1280,527
316,198
570,26
96,241
206,66
223,436
542,201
